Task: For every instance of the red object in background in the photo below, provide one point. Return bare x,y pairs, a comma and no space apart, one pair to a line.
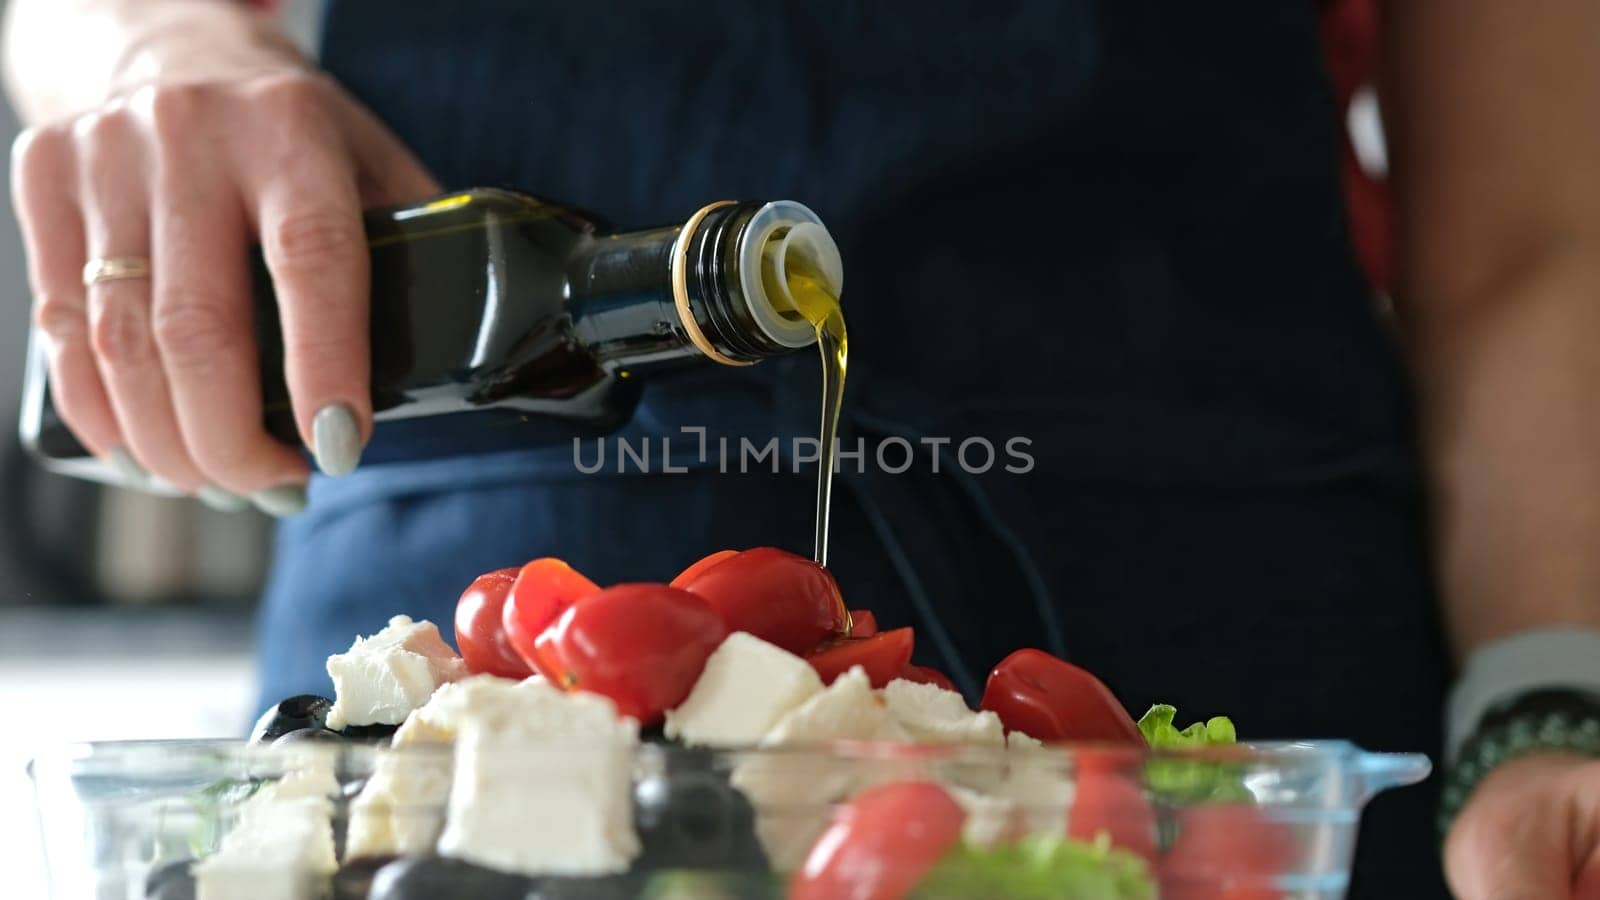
544,589
480,627
778,596
926,675
642,645
1350,32
1225,852
1052,700
880,844
884,656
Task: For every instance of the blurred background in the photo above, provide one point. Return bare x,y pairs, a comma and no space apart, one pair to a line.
121,615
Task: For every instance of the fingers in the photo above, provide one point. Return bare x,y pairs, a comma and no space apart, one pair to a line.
308,214
116,212
1511,841
202,319
44,185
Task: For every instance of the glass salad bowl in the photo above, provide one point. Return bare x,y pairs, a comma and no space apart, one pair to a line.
311,821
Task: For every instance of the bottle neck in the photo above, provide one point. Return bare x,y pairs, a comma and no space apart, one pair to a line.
685,291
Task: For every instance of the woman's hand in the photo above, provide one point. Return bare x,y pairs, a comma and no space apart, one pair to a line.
1531,831
188,172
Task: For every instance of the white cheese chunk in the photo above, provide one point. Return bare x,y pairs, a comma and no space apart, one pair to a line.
399,811
1041,782
746,687
543,783
791,794
281,847
991,819
382,678
930,713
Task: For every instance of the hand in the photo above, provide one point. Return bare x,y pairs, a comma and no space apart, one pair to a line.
1531,831
188,173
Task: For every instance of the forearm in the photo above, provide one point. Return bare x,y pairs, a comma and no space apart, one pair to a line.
1492,116
1509,386
66,56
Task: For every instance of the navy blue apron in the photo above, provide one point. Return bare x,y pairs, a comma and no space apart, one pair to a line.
1111,230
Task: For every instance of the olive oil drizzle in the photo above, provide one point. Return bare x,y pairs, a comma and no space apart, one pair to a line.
815,303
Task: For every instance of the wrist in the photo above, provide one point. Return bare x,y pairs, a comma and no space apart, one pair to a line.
1499,672
1535,730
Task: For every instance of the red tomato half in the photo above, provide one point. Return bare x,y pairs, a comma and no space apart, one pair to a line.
782,598
1109,800
863,623
926,675
481,630
544,589
700,566
1046,698
884,655
880,844
1226,851
642,645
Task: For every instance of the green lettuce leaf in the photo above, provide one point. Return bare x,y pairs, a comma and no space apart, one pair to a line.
1159,732
1039,868
1179,782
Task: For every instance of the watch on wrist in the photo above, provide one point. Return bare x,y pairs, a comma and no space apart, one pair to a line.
1550,720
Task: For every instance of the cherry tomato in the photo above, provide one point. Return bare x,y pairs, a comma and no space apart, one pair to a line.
926,675
700,566
1109,800
544,589
880,844
1226,851
1046,698
642,645
884,655
863,623
481,630
782,598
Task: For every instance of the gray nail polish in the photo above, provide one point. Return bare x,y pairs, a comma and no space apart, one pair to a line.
219,499
281,501
128,468
337,439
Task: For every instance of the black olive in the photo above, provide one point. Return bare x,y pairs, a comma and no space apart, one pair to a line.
296,713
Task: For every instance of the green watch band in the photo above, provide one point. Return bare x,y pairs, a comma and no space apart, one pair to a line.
1563,721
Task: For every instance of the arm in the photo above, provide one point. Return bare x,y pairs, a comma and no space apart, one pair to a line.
1493,113
179,131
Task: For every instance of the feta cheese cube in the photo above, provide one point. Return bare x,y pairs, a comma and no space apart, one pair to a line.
382,678
1041,782
791,794
990,819
930,713
543,783
281,847
746,687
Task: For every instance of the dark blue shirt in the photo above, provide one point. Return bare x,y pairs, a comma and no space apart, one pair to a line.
1110,228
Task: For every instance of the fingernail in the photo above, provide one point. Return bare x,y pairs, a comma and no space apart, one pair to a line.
281,501
337,439
219,499
128,467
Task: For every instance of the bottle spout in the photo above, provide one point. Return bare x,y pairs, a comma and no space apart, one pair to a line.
782,240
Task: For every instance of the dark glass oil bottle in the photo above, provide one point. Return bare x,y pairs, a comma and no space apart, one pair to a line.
500,320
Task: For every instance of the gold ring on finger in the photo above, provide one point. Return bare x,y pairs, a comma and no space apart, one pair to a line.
114,268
